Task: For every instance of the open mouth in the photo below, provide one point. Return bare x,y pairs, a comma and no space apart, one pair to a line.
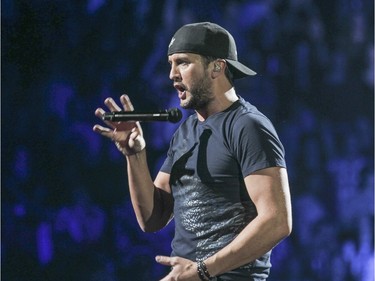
181,90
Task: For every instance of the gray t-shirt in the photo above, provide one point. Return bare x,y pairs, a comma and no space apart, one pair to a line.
207,162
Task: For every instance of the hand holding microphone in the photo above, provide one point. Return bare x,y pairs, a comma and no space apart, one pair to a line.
127,136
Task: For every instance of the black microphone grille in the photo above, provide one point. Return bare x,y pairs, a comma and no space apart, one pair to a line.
174,115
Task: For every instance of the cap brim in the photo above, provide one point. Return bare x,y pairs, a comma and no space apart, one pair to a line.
239,70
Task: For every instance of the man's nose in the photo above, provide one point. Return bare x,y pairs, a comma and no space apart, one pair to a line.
174,74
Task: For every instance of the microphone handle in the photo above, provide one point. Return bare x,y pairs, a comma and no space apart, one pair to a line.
131,116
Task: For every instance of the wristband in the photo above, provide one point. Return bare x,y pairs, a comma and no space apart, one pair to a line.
203,273
200,273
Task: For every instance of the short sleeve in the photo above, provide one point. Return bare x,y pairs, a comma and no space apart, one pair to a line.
168,162
257,145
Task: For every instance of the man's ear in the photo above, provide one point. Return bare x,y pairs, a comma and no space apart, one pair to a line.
219,67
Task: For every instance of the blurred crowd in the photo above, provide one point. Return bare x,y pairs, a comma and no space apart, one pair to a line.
65,210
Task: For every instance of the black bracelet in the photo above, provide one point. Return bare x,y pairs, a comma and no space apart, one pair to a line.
200,273
203,273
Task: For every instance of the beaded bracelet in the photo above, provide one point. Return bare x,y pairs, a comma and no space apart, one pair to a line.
203,273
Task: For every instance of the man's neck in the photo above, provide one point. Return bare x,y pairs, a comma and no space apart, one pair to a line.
220,103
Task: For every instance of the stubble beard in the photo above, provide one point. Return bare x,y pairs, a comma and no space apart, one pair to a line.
200,94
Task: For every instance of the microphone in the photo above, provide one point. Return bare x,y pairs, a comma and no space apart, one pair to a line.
172,115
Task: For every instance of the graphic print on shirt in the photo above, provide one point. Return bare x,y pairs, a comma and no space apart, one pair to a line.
204,212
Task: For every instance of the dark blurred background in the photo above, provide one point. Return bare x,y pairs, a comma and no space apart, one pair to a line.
65,206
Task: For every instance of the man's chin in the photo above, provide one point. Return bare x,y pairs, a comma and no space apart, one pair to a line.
185,104
185,107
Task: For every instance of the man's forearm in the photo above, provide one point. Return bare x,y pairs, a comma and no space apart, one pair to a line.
142,190
149,202
260,236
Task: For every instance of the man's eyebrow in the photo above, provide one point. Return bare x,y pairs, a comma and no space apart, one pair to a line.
179,59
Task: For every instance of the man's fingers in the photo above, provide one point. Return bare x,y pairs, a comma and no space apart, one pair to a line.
163,260
99,113
104,131
126,103
112,105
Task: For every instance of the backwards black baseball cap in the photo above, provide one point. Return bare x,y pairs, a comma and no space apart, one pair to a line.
209,39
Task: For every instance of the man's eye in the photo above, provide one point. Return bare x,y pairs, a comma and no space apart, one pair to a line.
182,62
